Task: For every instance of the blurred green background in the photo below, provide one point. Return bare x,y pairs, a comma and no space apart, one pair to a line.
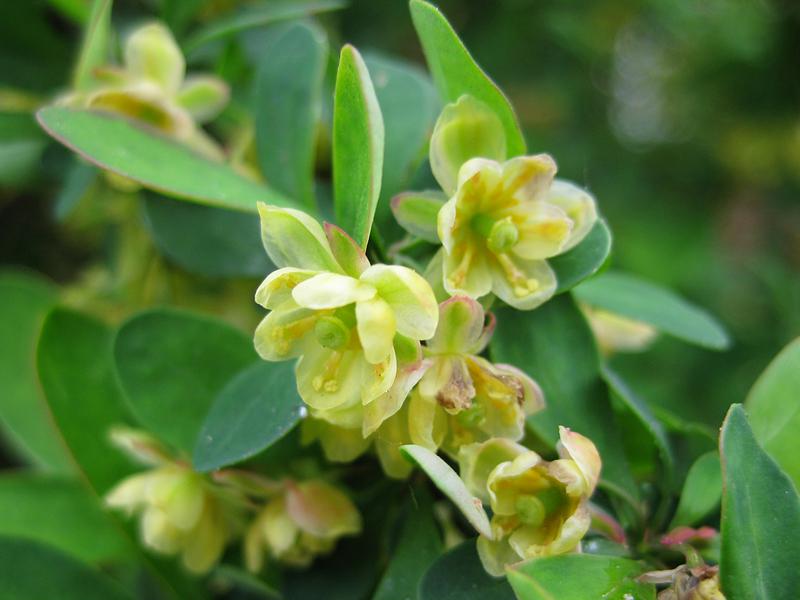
682,117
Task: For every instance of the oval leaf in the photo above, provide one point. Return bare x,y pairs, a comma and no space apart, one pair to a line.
77,375
775,410
580,576
206,240
760,518
702,491
25,299
259,15
152,160
637,299
455,72
252,412
357,147
62,513
409,105
584,260
288,102
172,365
459,575
30,569
450,484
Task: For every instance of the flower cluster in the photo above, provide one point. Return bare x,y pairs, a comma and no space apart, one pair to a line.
151,89
540,507
188,514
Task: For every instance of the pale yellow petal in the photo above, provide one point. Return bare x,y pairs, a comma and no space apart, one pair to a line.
277,287
152,53
331,290
522,284
285,332
581,449
376,326
578,205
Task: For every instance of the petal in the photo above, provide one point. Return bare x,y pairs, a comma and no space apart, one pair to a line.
293,239
388,439
387,404
378,378
449,383
158,533
461,324
427,422
322,510
523,284
543,230
277,287
346,417
578,205
417,213
329,379
285,332
478,181
376,325
203,96
144,102
445,224
496,555
254,547
501,494
581,449
331,290
477,461
466,129
152,53
532,399
466,271
410,297
339,444
348,253
528,177
615,333
279,529
206,543
129,494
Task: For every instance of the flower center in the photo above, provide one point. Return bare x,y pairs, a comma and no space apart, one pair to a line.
533,509
331,332
501,234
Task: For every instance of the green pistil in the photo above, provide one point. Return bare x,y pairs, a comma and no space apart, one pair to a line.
501,234
331,332
534,509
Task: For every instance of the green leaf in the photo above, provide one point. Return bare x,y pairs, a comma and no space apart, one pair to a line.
775,410
417,549
172,364
579,576
702,491
25,299
584,260
409,105
554,345
77,376
760,518
21,146
288,102
450,484
79,178
253,411
459,575
206,240
95,45
637,299
357,147
154,161
31,570
455,72
641,411
62,513
259,15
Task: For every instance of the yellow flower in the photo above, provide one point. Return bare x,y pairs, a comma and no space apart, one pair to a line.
181,512
504,218
348,322
463,398
539,507
151,89
299,524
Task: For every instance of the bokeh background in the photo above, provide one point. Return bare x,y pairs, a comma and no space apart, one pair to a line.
682,117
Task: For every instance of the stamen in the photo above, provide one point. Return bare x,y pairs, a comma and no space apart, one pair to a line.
283,336
327,381
520,284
